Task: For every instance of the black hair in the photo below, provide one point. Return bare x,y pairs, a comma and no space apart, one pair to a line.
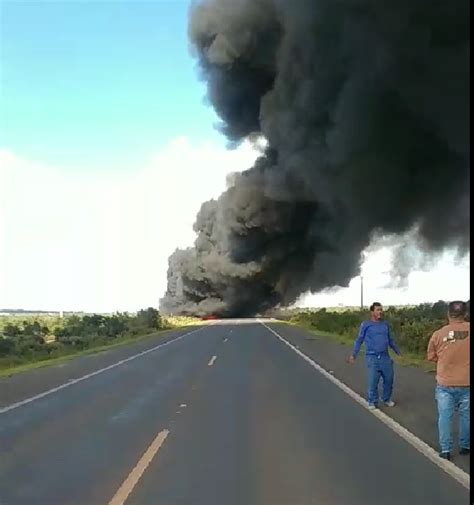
457,309
375,304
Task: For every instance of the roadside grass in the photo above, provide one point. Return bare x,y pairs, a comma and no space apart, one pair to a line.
18,364
406,359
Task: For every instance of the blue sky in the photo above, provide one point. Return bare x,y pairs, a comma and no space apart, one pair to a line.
96,84
107,150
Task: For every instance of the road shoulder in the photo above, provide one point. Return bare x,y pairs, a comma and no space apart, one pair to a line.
413,391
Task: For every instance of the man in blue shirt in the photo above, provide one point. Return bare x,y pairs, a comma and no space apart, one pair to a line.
377,338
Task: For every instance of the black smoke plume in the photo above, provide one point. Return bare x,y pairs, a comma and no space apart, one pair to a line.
364,105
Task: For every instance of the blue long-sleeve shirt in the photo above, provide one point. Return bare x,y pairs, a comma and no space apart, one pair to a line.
377,338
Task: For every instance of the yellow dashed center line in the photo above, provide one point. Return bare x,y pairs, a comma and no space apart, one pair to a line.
213,359
131,481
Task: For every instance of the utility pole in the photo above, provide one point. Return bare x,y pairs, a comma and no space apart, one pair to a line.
361,292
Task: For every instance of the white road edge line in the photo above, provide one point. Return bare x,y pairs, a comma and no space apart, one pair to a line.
131,481
7,408
213,360
450,468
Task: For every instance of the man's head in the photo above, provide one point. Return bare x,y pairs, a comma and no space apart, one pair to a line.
457,310
376,311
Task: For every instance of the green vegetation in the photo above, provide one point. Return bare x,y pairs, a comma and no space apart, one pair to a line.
412,327
30,342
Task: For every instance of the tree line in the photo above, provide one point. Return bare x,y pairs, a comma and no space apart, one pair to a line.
47,337
412,327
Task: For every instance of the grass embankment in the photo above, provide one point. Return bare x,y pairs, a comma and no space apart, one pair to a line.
58,353
411,329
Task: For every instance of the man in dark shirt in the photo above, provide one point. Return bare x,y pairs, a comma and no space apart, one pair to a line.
376,335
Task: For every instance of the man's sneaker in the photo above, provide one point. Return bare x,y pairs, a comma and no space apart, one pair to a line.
464,451
445,455
372,406
390,403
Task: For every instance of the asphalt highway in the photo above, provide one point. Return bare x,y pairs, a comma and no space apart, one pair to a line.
225,414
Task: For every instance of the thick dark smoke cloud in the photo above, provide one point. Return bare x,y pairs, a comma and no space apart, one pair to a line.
365,108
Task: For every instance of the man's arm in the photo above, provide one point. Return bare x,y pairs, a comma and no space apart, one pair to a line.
431,354
391,342
359,340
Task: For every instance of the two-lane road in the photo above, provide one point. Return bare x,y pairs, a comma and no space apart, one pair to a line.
226,415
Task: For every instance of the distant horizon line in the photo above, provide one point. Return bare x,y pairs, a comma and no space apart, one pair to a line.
5,311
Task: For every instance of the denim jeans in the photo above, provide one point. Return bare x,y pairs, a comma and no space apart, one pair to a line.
449,399
379,366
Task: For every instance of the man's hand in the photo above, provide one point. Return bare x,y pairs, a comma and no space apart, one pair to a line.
351,360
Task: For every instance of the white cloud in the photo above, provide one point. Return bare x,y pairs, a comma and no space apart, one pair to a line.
447,279
100,242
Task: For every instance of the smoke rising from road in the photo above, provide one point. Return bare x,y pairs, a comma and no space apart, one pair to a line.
364,105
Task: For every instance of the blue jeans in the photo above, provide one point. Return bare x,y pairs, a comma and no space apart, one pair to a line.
379,366
449,399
